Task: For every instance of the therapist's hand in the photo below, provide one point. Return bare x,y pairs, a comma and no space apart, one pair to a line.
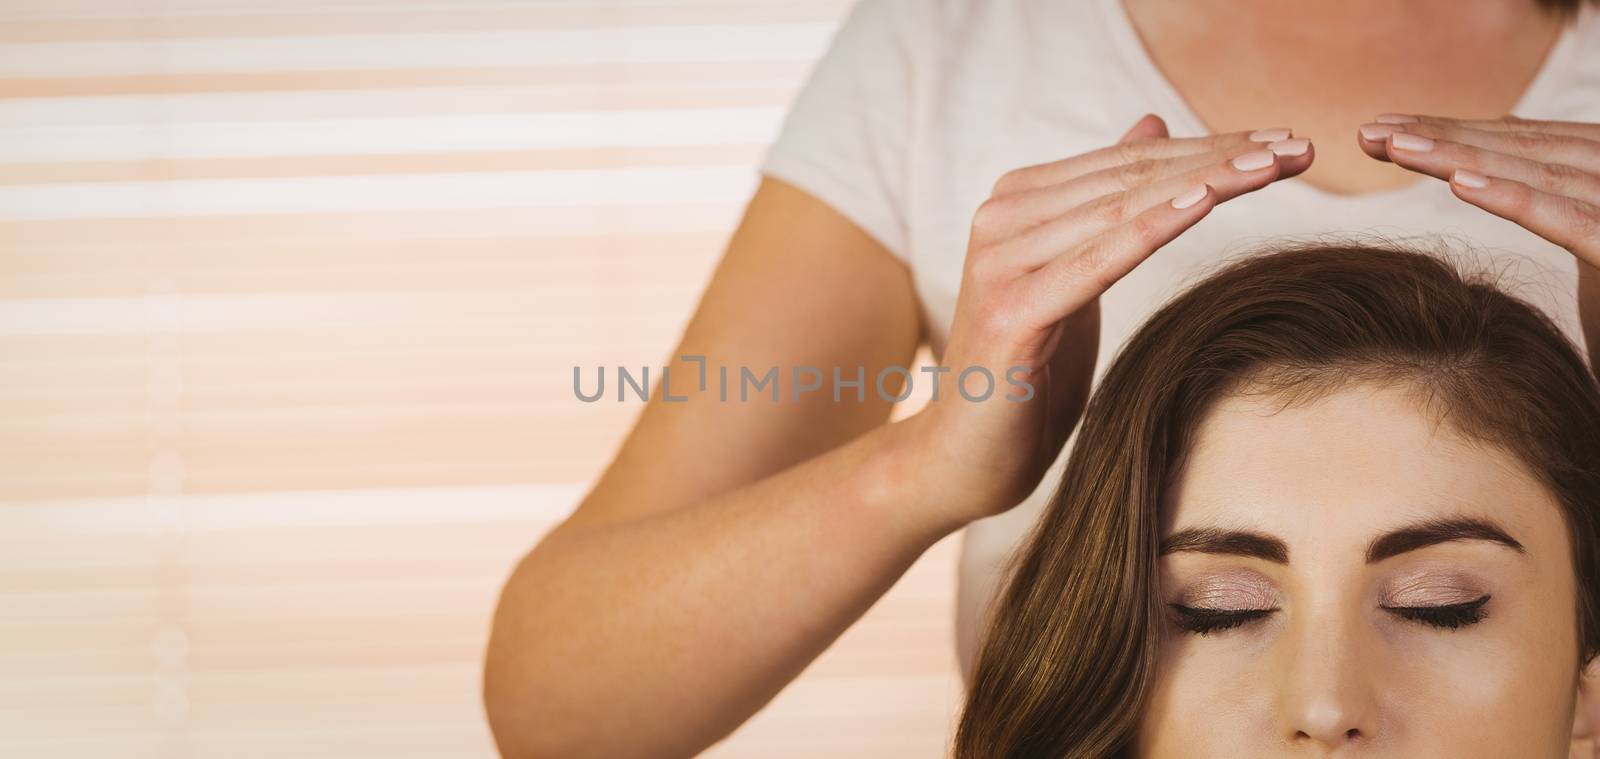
1543,175
1043,248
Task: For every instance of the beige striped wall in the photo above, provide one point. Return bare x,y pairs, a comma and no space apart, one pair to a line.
290,293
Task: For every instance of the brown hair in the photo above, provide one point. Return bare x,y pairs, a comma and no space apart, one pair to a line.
1068,659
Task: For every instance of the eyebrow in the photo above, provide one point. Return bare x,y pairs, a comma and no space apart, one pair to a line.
1409,538
1435,531
1233,542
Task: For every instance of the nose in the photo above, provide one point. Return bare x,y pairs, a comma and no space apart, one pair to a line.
1326,723
1327,691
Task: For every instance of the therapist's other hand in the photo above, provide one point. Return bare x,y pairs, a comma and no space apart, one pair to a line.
1543,175
1048,242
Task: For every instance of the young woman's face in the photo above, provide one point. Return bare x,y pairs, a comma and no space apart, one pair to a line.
1345,577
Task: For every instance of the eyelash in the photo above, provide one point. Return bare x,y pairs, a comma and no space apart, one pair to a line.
1200,621
1206,621
1449,617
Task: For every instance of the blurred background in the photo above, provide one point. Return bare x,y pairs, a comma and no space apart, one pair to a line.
290,297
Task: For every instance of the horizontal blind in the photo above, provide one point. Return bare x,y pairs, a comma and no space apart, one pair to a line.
286,294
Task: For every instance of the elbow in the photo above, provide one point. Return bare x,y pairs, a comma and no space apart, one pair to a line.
522,702
538,704
528,724
534,705
519,728
528,715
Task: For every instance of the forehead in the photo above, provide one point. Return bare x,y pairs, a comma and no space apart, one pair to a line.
1361,459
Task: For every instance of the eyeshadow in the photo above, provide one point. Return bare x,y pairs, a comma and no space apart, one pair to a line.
1433,586
1229,589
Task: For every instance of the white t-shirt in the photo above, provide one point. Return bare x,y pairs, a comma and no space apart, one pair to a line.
920,105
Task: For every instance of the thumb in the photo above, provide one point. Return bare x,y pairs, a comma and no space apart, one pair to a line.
1148,127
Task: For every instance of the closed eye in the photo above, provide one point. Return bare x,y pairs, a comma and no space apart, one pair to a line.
1203,621
1448,617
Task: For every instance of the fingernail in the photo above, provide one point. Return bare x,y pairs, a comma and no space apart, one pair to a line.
1395,118
1469,179
1190,197
1412,142
1377,132
1290,147
1270,135
1254,160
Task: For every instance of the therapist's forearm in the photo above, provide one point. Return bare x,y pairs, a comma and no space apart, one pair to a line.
657,637
1589,311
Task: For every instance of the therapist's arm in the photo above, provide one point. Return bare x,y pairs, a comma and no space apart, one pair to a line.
729,543
1589,311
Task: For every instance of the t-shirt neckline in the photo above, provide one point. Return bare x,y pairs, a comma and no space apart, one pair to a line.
1174,108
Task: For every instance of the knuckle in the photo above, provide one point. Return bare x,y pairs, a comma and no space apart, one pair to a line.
1519,199
990,216
1085,262
984,266
1136,174
1109,211
1092,266
1130,152
1009,182
1147,229
1583,223
1530,144
1216,175
1556,175
995,318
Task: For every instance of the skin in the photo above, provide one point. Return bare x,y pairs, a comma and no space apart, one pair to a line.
1364,56
727,545
1330,670
673,585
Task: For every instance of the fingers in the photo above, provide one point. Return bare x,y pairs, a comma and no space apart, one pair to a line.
1542,175
1061,233
1139,184
1238,174
1502,124
1568,222
1577,152
1441,158
1071,281
1056,172
1067,221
